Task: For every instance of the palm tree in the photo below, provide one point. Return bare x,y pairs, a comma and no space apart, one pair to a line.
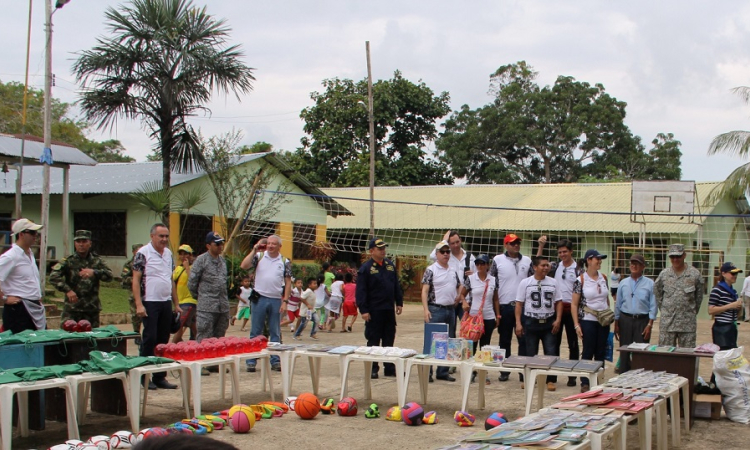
161,64
733,143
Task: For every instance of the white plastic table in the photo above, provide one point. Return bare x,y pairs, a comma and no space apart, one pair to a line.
423,370
224,362
265,368
595,379
482,371
314,361
368,360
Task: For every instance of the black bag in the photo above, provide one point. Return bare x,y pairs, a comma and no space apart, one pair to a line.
254,296
176,322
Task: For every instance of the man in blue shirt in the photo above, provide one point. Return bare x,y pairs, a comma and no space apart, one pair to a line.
635,308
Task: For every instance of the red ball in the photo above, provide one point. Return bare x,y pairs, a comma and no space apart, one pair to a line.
347,407
70,325
84,325
307,406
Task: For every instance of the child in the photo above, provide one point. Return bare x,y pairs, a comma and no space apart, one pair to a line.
333,307
307,311
292,309
321,298
350,302
243,307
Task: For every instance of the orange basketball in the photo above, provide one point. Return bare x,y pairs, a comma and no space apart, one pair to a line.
307,406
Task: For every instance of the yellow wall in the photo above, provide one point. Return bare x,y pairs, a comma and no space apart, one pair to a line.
286,234
174,231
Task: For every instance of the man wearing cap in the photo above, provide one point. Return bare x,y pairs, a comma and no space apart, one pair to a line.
461,261
509,269
126,278
679,293
208,284
19,282
78,277
273,281
378,294
440,288
635,308
188,303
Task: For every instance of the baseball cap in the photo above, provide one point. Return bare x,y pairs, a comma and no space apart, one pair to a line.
510,238
676,250
730,267
214,238
82,235
441,244
23,225
638,258
482,258
591,253
185,248
376,242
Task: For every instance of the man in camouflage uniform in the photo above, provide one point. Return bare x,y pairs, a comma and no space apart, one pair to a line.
208,284
679,293
127,283
78,277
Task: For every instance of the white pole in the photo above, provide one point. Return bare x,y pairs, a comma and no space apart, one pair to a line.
47,142
372,141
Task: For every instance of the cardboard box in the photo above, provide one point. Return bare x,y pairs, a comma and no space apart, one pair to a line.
707,406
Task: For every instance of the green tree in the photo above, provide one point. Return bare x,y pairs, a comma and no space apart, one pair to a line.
336,152
733,143
533,134
258,147
661,162
161,64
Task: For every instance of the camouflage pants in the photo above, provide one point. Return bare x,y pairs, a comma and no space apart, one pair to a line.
134,318
68,314
211,324
676,339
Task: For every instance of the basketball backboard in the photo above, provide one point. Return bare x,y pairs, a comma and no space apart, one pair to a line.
670,198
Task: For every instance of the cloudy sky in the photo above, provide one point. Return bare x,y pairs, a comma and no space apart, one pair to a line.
674,62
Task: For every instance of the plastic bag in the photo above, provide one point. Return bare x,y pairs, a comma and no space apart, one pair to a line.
609,354
732,373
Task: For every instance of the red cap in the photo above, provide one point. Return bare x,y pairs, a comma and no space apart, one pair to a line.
510,238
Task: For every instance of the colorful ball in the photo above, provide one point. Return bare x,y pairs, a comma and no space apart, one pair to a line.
242,420
328,406
122,439
307,406
373,412
495,419
393,414
289,401
430,418
347,407
102,442
412,414
464,419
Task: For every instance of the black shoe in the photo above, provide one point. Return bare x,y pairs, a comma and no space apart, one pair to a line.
389,374
504,377
213,369
276,367
164,384
571,382
447,378
374,375
474,377
250,369
151,386
432,380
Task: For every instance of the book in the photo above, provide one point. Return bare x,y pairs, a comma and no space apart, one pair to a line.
541,361
455,349
564,364
588,394
343,350
638,346
429,329
516,361
320,348
589,366
439,345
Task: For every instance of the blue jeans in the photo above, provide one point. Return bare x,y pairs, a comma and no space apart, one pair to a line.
594,342
266,309
443,315
534,332
303,322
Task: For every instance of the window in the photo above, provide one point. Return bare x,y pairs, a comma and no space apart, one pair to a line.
702,261
488,245
655,254
303,235
193,231
108,230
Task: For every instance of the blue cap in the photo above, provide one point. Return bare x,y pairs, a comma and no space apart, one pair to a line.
482,258
730,267
591,253
376,242
214,237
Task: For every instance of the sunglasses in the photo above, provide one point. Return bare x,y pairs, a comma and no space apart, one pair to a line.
514,243
31,232
444,252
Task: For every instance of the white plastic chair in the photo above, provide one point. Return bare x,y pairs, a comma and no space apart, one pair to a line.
81,384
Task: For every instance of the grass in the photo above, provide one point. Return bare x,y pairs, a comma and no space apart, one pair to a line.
113,297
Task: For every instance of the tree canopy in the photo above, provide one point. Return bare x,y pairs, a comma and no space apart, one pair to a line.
336,152
160,64
733,143
566,132
64,129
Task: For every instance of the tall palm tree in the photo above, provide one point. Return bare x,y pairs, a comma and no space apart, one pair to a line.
733,143
161,63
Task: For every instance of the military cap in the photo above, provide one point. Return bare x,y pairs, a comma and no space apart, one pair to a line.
82,235
136,247
676,250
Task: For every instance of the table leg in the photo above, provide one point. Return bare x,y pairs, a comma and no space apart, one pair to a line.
314,364
345,378
407,375
482,380
424,382
368,381
540,388
645,421
400,378
195,379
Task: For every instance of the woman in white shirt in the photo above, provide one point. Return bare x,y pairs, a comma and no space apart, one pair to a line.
593,285
472,292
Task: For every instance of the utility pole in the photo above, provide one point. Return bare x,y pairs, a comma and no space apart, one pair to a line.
372,141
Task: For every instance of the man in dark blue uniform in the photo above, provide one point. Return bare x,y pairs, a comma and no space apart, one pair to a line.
379,299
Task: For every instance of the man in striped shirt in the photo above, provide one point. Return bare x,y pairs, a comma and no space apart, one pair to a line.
724,305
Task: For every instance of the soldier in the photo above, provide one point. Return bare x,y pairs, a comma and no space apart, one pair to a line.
78,276
127,283
679,293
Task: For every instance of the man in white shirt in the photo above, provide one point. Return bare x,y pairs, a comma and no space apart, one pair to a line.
153,289
509,269
458,260
745,295
440,285
19,281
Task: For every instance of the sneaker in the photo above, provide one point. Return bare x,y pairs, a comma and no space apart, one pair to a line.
250,368
551,387
349,329
314,336
276,367
205,372
164,384
504,377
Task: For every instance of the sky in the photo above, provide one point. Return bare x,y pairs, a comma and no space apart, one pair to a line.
674,61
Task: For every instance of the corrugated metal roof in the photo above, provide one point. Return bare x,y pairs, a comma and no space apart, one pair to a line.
540,207
11,146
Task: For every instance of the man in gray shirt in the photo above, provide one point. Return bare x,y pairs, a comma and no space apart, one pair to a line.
208,284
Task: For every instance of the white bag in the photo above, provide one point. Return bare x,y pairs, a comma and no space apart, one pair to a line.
732,373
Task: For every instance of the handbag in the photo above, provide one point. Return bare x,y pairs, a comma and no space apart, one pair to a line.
605,317
472,327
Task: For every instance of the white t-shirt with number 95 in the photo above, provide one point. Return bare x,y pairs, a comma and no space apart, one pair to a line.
539,297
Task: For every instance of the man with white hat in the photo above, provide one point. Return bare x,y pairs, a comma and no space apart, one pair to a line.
19,282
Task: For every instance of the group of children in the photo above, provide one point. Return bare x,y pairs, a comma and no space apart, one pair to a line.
326,298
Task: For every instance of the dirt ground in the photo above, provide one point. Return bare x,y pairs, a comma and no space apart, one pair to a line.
335,432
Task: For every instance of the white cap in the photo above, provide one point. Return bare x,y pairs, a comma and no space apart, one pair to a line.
23,225
441,244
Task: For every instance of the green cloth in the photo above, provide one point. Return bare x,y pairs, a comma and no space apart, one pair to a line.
42,336
28,374
7,376
114,362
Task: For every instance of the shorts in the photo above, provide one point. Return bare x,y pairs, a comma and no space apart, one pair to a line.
188,316
292,314
350,309
243,313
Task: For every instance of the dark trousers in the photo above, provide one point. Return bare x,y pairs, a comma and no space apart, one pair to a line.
489,327
724,335
438,314
16,318
534,332
567,327
506,332
594,343
631,330
156,327
381,330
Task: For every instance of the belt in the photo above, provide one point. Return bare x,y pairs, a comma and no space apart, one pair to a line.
441,306
547,320
634,316
513,304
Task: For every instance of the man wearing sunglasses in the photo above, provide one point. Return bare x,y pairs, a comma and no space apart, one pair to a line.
208,284
509,269
19,281
679,294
